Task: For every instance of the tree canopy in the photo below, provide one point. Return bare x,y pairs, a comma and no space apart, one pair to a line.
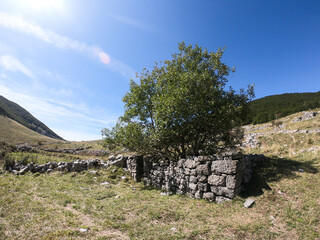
181,107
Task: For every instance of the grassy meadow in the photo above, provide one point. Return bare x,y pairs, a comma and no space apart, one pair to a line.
285,188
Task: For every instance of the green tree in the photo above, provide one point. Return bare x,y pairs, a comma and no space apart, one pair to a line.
181,107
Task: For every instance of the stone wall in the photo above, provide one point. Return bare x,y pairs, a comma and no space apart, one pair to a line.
215,178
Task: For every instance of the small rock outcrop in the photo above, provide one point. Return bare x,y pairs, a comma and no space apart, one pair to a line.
305,116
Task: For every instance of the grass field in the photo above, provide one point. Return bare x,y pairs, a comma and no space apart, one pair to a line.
93,145
285,188
56,206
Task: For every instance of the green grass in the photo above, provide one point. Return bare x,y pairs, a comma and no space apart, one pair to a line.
57,205
13,132
94,145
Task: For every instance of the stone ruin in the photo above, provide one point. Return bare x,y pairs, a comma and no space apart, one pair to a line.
214,178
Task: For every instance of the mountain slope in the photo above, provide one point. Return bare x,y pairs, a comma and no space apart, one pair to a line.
275,106
14,133
296,135
22,116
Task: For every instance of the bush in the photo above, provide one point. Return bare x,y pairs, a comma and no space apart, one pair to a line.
181,107
2,154
24,160
8,162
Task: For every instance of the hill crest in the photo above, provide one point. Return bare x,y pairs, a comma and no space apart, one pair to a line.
19,114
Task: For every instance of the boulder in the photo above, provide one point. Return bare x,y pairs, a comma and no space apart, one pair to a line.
208,196
221,199
23,170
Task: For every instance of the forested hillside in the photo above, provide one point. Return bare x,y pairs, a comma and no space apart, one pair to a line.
275,106
22,116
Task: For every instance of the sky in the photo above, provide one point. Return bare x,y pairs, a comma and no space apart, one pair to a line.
69,62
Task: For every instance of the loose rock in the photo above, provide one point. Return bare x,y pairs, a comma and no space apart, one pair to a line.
249,203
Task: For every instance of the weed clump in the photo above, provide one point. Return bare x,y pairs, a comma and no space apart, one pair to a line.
8,162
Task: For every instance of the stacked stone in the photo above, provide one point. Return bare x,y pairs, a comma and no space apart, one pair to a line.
76,166
215,178
135,166
78,151
119,161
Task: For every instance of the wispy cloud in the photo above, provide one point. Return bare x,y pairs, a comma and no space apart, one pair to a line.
131,21
21,25
10,63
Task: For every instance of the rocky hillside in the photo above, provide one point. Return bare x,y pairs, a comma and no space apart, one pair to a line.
289,136
19,114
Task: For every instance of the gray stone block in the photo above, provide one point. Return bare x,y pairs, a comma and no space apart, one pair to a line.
209,196
233,181
202,178
221,199
203,186
198,194
193,186
223,191
193,172
216,180
203,169
224,166
181,163
190,164
193,179
23,170
249,203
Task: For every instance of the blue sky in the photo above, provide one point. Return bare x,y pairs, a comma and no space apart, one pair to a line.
69,62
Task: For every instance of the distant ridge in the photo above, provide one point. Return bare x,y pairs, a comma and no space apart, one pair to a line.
22,116
271,107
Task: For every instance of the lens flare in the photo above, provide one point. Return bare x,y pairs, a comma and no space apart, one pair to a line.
104,58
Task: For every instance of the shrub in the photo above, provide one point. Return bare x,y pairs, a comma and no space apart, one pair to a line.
8,162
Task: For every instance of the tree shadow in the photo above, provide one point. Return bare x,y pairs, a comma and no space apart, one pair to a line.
274,169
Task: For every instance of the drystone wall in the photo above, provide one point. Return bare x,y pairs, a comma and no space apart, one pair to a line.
75,166
215,178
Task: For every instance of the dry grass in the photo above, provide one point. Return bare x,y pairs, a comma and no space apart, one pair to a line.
56,206
93,145
285,141
14,133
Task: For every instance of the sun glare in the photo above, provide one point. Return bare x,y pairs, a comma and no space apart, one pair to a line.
41,5
104,57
